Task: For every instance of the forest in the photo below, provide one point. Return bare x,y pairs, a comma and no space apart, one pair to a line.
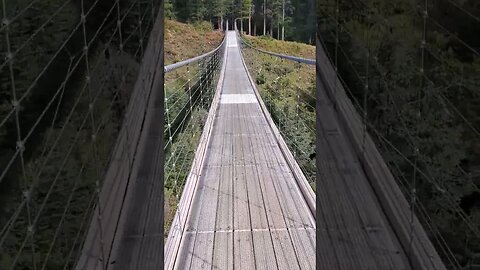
280,19
412,68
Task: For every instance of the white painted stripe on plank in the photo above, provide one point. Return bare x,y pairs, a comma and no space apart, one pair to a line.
238,98
254,230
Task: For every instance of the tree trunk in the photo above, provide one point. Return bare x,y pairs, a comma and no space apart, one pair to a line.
221,22
241,25
278,31
254,28
250,22
283,20
264,18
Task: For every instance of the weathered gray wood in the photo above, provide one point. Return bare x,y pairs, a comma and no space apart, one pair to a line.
203,252
265,258
185,251
189,194
421,251
223,251
305,188
104,233
286,256
305,249
253,185
243,254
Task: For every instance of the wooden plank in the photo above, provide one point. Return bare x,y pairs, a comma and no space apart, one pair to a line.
174,238
337,212
305,188
223,251
256,203
423,254
272,205
305,247
286,257
241,201
327,256
224,217
203,252
243,254
265,257
347,189
111,202
185,252
248,199
208,211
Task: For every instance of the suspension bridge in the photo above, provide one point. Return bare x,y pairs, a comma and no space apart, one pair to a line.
243,200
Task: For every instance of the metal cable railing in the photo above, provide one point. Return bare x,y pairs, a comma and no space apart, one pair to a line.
289,100
279,55
188,103
418,104
65,86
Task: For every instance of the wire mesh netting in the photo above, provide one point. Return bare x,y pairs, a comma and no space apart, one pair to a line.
67,74
288,89
189,91
417,96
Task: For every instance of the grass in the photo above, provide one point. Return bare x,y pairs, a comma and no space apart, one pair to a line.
184,41
284,47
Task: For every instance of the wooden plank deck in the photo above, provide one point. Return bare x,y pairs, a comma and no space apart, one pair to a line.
248,212
359,200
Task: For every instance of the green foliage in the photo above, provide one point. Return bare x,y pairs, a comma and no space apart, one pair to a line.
295,16
247,6
184,122
427,117
59,157
288,89
202,26
261,79
168,10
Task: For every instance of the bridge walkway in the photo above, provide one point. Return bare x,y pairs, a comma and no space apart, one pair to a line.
248,212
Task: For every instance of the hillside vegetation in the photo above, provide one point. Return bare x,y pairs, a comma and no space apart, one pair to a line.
288,90
284,47
184,41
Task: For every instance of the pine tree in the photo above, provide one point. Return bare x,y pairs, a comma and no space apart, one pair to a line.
246,12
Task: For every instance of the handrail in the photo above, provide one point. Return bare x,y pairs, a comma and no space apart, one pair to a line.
420,250
302,182
179,223
284,56
180,64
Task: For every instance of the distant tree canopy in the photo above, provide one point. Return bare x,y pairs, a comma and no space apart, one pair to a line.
281,19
